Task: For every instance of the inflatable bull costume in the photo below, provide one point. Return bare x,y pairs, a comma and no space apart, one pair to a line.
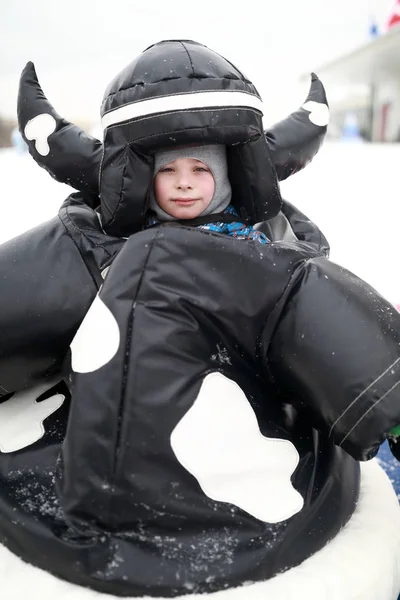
219,393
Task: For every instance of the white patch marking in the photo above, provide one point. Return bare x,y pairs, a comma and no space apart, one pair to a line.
179,102
39,129
21,417
97,340
219,442
319,112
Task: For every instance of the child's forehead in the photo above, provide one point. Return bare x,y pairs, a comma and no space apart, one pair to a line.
184,160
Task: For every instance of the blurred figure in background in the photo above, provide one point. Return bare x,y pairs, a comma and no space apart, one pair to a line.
351,130
18,142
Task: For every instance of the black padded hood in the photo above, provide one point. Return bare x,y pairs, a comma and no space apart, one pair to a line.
176,92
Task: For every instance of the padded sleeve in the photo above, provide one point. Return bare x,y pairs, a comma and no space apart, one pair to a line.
335,353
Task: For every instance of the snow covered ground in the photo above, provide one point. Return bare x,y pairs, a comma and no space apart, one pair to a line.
28,195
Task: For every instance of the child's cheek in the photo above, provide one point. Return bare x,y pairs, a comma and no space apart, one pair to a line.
211,189
160,188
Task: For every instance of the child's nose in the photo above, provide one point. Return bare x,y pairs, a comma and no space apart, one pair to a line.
184,182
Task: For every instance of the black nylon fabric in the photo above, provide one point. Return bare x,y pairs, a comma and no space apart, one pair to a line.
176,68
357,401
295,141
74,156
101,499
120,169
117,495
51,275
305,229
188,64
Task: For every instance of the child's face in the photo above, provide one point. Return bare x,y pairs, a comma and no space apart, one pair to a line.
184,188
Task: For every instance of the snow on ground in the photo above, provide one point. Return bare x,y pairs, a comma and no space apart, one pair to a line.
28,195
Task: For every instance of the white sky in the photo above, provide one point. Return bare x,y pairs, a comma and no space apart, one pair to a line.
79,45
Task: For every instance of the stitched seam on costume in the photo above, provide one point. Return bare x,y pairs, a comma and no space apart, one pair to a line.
253,207
77,247
182,78
362,394
125,369
368,411
183,110
145,137
82,232
195,100
274,178
120,194
67,216
189,57
101,167
294,275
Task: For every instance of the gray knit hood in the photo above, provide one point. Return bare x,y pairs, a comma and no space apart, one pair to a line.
214,156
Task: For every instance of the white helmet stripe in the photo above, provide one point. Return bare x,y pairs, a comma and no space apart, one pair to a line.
178,102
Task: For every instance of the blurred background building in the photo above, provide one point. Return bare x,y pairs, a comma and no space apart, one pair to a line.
364,85
78,47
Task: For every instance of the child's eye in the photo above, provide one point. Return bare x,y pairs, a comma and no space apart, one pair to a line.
204,169
166,170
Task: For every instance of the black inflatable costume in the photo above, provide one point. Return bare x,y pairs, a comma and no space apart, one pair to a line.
111,496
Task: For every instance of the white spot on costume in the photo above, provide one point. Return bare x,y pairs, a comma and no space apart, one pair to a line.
39,129
21,417
219,442
319,112
97,340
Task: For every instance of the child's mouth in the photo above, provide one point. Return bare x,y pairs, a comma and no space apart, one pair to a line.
185,201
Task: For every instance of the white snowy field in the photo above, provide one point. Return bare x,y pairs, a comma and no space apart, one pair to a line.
351,190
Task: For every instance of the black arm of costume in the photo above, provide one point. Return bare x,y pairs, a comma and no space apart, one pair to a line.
335,353
305,229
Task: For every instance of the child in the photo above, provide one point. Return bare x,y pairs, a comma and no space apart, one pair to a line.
191,183
177,470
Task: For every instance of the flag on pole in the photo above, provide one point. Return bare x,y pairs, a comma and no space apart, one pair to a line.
394,18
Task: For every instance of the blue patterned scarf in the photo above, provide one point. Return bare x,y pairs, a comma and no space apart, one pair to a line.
236,229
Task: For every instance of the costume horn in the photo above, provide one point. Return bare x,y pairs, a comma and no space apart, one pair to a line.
295,141
63,149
